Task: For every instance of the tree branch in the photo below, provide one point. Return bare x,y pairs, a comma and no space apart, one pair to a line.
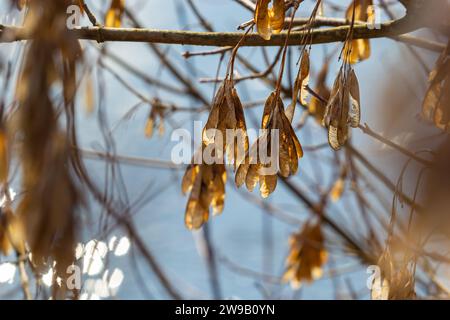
220,39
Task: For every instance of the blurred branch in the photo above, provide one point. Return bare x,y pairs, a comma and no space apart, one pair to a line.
420,42
143,75
393,145
380,175
130,88
318,209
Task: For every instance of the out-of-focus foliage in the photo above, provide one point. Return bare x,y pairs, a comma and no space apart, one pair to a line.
307,255
437,98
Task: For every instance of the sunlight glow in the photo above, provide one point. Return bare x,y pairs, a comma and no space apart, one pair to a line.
7,272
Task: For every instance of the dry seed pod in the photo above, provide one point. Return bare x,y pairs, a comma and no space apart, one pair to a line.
11,232
89,96
343,108
206,181
355,100
402,285
337,190
334,115
359,49
227,118
156,113
303,78
317,107
277,15
269,20
206,184
436,104
254,169
249,172
114,14
48,209
306,257
300,86
380,286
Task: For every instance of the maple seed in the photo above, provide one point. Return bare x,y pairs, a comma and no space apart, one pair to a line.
306,257
358,50
269,20
227,116
396,281
206,182
343,108
254,169
156,112
300,86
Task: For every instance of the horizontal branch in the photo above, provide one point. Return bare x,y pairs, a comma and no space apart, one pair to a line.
221,39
